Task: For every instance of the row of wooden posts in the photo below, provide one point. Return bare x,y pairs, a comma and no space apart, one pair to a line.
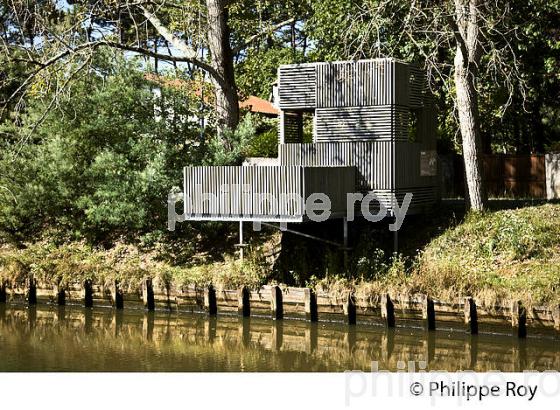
210,305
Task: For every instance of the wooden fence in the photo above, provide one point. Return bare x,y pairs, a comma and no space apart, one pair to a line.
279,302
517,176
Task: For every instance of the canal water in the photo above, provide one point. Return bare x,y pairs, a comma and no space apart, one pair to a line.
78,339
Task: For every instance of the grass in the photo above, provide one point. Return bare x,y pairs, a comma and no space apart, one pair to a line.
506,254
496,257
77,261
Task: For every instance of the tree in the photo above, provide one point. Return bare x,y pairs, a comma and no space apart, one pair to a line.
227,105
100,163
458,41
257,66
185,29
466,27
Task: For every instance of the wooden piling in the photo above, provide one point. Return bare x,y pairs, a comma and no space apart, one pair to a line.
31,292
88,321
471,316
310,304
60,295
117,299
117,322
276,303
519,357
210,303
243,302
311,338
349,308
3,293
277,335
387,344
148,294
61,313
556,317
305,301
519,319
350,339
88,293
32,316
245,331
471,352
428,313
210,330
388,310
148,326
430,343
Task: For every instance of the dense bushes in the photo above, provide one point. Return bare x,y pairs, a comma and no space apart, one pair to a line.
100,163
99,166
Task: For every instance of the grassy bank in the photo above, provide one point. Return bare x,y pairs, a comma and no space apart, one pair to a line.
77,261
497,256
513,254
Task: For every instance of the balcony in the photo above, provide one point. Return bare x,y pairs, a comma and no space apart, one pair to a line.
275,193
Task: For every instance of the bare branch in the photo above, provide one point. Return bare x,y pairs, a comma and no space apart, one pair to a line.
175,41
105,43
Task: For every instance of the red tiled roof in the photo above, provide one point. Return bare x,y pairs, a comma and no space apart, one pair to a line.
252,103
259,105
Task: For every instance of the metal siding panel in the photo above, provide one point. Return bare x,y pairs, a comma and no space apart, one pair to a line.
297,86
353,123
371,158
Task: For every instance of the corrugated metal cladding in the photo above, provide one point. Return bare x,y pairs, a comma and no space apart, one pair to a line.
381,122
297,86
335,182
374,131
233,192
265,193
417,87
353,123
408,166
372,159
422,198
355,83
350,84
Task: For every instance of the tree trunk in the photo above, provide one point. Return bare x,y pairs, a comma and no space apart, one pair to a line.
227,103
466,61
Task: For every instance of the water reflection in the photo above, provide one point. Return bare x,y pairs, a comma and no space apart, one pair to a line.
76,339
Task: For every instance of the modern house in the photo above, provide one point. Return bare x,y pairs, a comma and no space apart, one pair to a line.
374,131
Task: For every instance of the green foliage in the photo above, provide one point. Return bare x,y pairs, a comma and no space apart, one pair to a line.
264,144
231,147
257,72
102,162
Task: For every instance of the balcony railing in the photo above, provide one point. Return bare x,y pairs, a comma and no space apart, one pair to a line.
263,193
